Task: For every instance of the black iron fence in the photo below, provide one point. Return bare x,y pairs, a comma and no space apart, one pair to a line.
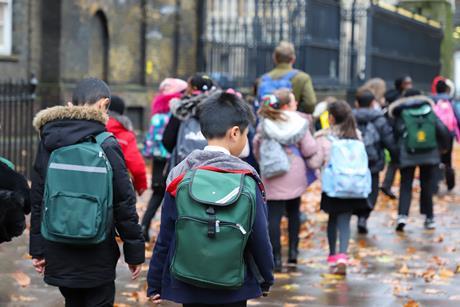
337,45
238,38
17,136
400,45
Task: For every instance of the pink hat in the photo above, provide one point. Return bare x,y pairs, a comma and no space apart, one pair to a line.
172,86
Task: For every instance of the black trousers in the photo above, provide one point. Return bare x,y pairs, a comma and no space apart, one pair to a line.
426,195
237,304
102,296
372,197
390,175
159,188
276,210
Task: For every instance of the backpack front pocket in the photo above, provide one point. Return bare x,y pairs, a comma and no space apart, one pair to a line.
210,262
73,215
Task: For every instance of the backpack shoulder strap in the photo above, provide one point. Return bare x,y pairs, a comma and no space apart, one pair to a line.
290,74
101,137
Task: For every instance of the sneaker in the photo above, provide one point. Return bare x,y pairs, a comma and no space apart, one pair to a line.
430,223
332,260
401,222
388,192
362,225
342,261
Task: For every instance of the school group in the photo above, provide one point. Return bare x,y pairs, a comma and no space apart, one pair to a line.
225,170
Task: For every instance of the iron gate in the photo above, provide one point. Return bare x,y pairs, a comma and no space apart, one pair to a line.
238,38
17,136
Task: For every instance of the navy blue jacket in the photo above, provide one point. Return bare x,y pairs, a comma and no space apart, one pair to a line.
160,281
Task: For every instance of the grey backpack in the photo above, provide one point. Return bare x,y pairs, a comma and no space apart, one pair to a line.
189,139
273,159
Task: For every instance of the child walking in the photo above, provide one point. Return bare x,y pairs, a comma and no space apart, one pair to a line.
343,191
289,129
81,200
213,247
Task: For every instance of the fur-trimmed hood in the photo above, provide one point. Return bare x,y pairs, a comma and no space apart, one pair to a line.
408,102
68,112
288,131
63,125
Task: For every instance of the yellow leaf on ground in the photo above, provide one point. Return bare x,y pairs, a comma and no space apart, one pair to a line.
20,298
445,273
333,276
291,287
279,276
21,278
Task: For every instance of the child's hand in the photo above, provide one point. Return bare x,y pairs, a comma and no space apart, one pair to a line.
39,265
155,299
135,270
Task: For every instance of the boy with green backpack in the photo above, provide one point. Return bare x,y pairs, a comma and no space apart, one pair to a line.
82,196
421,136
213,248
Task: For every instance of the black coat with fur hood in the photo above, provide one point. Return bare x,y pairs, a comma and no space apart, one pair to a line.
407,159
83,267
14,203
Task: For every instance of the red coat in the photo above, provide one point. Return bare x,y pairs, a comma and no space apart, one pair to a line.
134,160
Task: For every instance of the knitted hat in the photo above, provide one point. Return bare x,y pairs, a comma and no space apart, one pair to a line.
117,105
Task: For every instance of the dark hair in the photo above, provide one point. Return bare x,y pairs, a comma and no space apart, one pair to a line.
365,98
412,92
117,104
391,96
222,111
343,115
399,82
201,83
90,91
441,87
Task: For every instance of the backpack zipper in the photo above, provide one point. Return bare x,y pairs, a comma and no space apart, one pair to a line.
218,224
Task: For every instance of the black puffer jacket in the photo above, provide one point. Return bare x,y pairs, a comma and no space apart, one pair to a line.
71,266
364,116
407,159
14,203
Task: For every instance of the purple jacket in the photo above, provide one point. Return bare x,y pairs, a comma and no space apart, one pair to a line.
294,183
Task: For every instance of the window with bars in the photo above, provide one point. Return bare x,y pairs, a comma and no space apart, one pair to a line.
5,27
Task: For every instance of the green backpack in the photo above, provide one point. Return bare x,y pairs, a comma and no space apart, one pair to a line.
77,202
216,213
420,124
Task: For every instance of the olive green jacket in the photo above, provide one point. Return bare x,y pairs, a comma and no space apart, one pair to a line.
302,87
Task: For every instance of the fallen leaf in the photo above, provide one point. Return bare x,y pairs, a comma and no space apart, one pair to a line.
439,239
457,269
445,273
21,278
385,259
120,305
279,276
411,303
404,269
428,275
411,250
454,298
254,303
290,305
132,286
333,276
291,287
